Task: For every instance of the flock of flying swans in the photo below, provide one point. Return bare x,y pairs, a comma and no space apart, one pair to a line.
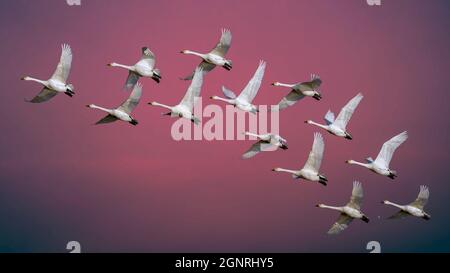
145,67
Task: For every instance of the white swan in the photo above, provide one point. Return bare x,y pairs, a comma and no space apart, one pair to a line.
338,126
185,109
266,142
123,112
311,169
381,164
145,67
299,91
415,208
244,100
215,57
57,83
350,211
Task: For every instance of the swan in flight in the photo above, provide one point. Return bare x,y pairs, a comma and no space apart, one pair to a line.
57,83
215,57
350,211
415,208
311,169
185,109
244,100
266,142
381,164
338,126
145,67
299,91
123,112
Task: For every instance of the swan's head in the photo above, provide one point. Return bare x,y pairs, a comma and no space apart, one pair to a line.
214,97
90,106
350,161
184,51
26,78
308,121
276,169
152,103
320,205
276,84
111,64
385,202
70,87
348,136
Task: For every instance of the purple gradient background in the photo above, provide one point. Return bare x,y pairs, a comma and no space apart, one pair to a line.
120,188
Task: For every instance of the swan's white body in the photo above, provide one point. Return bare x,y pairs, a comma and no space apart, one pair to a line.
415,208
215,57
299,91
381,164
185,109
57,83
311,169
244,100
348,212
266,142
145,67
123,112
338,126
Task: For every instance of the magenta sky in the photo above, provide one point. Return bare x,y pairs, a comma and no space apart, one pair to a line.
122,188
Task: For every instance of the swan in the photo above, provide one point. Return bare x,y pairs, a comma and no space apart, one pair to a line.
215,56
244,100
299,91
415,208
381,164
185,108
311,169
338,126
123,112
145,67
57,83
350,211
266,142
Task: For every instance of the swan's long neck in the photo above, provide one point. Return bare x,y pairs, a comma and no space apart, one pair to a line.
252,134
393,204
35,80
161,105
285,170
230,101
122,66
366,165
190,52
317,124
284,84
93,106
331,207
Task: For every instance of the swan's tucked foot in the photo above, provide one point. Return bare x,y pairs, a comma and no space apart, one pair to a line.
156,78
317,96
70,94
426,217
227,66
365,219
392,176
134,122
284,147
348,136
323,182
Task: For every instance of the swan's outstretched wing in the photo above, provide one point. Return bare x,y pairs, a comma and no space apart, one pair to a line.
315,156
254,150
314,84
132,101
65,62
357,196
387,150
341,223
290,99
148,57
329,117
346,113
250,91
422,198
194,89
205,66
107,119
132,79
228,93
399,215
44,95
224,44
